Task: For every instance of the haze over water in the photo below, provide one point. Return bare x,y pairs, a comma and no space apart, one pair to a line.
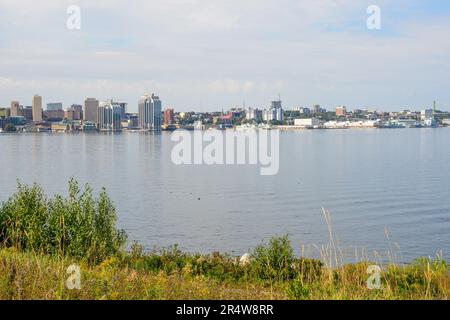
370,180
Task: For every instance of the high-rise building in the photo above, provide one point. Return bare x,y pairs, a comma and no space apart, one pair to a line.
54,106
37,108
15,109
109,116
274,113
168,116
150,113
90,112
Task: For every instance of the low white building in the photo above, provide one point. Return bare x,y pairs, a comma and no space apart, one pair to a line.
306,123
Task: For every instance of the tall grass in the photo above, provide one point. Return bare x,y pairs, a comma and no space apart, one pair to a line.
80,225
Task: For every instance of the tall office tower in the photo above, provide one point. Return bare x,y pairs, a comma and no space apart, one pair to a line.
109,116
150,113
168,116
90,112
37,108
15,109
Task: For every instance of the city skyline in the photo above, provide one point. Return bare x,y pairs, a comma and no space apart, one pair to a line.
206,57
133,108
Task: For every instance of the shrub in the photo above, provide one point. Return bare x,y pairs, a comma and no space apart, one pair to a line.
79,226
275,260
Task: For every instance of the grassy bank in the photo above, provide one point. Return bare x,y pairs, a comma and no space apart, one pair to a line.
40,238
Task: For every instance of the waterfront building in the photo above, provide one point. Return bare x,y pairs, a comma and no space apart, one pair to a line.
150,113
15,109
109,116
168,116
63,126
307,123
37,108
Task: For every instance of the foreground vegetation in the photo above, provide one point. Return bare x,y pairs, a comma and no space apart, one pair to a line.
40,238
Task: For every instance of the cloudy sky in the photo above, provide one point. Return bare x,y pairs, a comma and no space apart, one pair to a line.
213,54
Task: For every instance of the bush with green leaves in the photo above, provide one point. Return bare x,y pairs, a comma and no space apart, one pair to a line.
275,260
79,225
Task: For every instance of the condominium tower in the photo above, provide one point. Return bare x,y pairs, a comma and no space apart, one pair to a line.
109,116
150,113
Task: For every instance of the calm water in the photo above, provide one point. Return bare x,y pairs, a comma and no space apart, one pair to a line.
370,180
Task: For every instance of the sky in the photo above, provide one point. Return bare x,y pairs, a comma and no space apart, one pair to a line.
206,55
